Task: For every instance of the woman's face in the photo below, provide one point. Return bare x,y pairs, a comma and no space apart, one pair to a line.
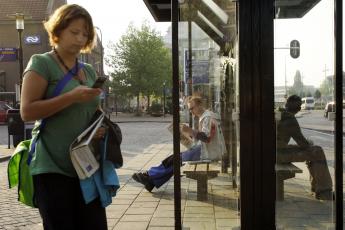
74,37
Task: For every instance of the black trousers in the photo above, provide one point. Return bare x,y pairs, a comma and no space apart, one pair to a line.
62,207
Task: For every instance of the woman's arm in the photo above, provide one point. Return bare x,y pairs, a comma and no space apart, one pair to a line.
34,107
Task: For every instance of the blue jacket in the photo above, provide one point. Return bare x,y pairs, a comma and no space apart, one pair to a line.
104,183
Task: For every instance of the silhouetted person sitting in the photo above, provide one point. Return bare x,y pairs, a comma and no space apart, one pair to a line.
210,146
288,127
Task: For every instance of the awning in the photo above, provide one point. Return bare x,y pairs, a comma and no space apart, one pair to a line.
161,9
294,8
217,18
209,15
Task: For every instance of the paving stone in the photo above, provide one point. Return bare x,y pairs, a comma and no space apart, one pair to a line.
162,222
135,218
160,228
164,213
125,225
227,222
199,225
199,210
198,215
134,210
146,204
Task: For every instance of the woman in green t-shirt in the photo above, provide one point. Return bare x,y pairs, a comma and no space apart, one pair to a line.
57,190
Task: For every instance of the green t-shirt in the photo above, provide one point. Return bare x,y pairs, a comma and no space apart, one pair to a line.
52,149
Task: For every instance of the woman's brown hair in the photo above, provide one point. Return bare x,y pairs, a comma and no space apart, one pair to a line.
62,17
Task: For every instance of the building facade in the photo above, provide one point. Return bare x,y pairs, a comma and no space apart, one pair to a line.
34,38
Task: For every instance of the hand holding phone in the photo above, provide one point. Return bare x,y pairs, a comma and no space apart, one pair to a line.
99,82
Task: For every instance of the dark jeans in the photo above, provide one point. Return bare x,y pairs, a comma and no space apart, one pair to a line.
315,159
62,207
160,174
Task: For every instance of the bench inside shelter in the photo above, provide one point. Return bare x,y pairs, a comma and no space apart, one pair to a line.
201,171
284,171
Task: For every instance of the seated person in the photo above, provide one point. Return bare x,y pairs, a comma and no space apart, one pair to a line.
288,127
210,146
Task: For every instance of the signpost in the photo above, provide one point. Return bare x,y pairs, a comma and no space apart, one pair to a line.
8,54
32,40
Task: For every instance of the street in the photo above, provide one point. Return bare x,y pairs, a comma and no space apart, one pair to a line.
136,136
139,135
314,119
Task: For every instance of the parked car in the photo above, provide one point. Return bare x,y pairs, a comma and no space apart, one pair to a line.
308,103
330,107
3,110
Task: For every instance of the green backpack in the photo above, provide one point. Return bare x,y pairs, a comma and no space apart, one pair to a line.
18,169
18,172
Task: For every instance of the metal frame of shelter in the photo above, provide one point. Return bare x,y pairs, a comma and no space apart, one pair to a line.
256,71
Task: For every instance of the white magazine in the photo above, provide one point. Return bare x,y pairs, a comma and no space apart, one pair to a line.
83,154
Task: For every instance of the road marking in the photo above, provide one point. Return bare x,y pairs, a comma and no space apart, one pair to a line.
327,134
319,138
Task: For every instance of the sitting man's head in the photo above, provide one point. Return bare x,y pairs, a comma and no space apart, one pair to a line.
195,105
293,104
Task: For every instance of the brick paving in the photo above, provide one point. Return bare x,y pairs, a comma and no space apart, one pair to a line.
14,215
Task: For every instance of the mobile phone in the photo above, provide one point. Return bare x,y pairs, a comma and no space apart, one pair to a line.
99,82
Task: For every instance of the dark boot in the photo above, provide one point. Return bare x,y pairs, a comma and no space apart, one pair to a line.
144,178
324,195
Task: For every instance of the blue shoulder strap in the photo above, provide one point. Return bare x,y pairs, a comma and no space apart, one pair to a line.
59,87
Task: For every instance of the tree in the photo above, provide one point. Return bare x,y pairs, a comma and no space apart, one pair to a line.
297,87
317,94
326,88
140,62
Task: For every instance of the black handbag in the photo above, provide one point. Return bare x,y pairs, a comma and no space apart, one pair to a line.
114,139
113,142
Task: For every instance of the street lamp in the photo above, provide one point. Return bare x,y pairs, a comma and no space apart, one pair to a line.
100,32
102,70
19,17
164,99
20,28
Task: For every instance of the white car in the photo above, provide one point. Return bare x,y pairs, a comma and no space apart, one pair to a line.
330,107
308,103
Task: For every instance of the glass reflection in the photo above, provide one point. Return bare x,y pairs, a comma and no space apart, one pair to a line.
209,71
305,139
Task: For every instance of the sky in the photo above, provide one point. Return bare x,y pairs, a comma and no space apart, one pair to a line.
314,32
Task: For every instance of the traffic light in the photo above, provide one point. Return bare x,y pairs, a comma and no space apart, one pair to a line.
294,49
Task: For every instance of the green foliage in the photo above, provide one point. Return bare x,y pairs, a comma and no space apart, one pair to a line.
326,88
140,63
317,94
297,87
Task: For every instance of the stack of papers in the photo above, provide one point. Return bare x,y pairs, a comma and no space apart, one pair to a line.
84,150
185,139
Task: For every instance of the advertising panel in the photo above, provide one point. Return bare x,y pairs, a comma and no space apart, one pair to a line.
8,54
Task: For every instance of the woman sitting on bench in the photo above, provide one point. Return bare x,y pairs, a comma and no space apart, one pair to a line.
210,146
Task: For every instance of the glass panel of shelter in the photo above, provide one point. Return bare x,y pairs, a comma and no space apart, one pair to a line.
208,62
303,68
